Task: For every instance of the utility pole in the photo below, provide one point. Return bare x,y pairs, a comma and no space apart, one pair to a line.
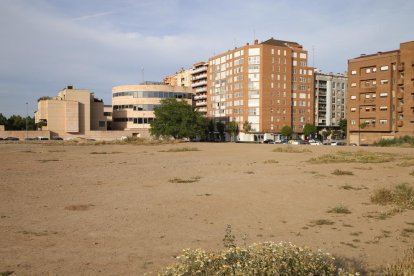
27,115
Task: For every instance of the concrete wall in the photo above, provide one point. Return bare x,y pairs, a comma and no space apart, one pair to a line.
21,134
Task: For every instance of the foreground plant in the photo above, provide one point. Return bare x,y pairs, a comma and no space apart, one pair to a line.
401,195
258,259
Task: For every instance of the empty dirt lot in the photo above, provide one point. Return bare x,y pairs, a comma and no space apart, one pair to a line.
129,209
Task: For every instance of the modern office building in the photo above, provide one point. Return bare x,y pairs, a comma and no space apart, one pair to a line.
381,95
199,85
133,105
72,111
267,84
180,78
330,99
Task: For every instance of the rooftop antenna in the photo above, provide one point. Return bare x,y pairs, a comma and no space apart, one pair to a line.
254,34
142,75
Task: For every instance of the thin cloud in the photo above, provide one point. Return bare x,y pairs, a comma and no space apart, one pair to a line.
85,17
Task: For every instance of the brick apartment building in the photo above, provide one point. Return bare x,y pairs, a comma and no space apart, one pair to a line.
381,95
268,84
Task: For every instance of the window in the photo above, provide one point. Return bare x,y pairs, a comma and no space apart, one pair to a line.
353,72
384,81
353,109
353,84
383,122
383,108
353,97
384,94
384,68
102,124
353,122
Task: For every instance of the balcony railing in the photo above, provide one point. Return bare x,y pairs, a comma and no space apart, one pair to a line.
201,104
400,109
400,95
201,97
201,90
400,123
199,77
401,67
368,89
198,70
200,83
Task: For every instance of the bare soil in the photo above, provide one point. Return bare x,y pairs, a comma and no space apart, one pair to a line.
66,210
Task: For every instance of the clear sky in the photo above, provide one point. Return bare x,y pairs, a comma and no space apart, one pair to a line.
46,45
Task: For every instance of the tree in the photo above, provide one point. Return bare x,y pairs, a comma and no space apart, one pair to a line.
220,128
233,129
17,122
3,119
286,131
176,119
247,127
325,134
309,129
343,125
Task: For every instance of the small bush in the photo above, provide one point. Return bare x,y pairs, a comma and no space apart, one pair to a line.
339,210
353,157
258,259
401,195
271,161
321,222
291,149
341,172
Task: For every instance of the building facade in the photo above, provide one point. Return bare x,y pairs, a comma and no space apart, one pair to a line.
73,111
381,95
199,86
180,78
330,99
268,84
133,105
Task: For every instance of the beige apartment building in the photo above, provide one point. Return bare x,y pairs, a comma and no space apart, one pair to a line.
199,85
180,78
268,84
72,111
133,105
381,95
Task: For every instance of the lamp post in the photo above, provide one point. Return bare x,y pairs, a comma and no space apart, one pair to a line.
27,115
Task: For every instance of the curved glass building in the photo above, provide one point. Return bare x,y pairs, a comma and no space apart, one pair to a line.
133,105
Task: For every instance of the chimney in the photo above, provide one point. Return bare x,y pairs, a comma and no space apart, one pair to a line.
69,87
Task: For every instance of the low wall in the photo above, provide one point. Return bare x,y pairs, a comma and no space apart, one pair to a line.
96,135
21,134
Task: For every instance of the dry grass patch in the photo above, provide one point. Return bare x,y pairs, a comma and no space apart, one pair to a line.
341,172
47,160
350,187
403,266
188,180
104,152
291,149
321,222
79,207
183,149
271,161
339,210
353,157
401,195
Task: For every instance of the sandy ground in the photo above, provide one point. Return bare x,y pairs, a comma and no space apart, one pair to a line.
66,210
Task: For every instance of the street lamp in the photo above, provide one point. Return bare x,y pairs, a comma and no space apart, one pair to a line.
27,115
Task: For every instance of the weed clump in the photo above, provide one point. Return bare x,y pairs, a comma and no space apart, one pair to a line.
188,180
258,259
341,172
183,149
407,141
404,266
401,195
339,210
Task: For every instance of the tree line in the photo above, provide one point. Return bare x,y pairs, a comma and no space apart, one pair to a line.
17,122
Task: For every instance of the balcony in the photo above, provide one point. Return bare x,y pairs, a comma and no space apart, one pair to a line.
400,95
199,77
201,97
400,123
198,70
400,109
400,81
201,90
401,67
198,84
202,110
201,104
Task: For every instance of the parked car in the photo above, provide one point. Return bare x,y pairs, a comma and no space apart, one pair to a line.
268,141
40,138
11,139
305,142
56,138
1,138
315,142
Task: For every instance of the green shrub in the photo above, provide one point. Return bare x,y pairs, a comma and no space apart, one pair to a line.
401,141
258,259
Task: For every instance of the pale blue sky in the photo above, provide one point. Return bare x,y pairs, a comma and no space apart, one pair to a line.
97,44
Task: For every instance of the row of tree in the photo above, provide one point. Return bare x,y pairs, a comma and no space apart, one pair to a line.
177,119
17,122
